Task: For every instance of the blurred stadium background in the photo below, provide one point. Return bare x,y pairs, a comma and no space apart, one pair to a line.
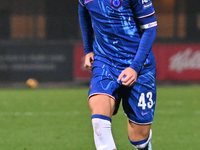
41,39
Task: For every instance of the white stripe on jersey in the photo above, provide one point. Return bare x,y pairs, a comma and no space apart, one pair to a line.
149,25
147,15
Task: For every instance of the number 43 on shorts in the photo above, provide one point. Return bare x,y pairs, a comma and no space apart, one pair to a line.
142,100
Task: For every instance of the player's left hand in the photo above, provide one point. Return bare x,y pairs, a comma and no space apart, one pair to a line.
128,77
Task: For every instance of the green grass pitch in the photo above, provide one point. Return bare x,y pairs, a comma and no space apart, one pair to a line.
59,119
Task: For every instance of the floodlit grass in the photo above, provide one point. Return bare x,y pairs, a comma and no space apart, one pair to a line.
59,119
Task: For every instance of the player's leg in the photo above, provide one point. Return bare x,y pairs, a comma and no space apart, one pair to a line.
140,135
139,105
103,97
102,108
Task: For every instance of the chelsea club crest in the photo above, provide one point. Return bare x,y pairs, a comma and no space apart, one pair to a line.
116,3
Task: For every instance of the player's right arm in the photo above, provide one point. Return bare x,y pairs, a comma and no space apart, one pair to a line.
86,27
87,34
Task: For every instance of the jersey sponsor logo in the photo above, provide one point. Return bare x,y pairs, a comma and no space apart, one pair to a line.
145,1
116,3
87,1
146,4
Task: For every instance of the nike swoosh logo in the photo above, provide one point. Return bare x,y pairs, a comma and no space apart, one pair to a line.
145,113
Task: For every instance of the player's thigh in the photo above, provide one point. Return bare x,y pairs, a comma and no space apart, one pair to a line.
102,104
104,89
140,100
138,132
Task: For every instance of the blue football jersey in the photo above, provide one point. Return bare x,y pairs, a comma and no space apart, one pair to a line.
118,26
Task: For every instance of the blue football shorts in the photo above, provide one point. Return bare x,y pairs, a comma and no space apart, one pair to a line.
138,101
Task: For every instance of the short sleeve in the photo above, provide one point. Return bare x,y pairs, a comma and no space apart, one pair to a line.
142,8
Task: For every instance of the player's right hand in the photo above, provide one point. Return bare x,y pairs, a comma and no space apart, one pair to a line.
89,60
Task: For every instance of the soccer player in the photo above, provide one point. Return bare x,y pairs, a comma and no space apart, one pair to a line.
118,37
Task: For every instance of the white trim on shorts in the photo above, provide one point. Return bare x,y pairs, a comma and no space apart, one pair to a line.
138,122
100,94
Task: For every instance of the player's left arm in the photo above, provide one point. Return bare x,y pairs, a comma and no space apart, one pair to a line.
146,19
149,27
147,22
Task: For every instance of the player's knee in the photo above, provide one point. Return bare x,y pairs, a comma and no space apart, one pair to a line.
143,143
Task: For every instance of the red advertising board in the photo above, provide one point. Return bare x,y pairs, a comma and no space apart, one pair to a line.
175,62
80,73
